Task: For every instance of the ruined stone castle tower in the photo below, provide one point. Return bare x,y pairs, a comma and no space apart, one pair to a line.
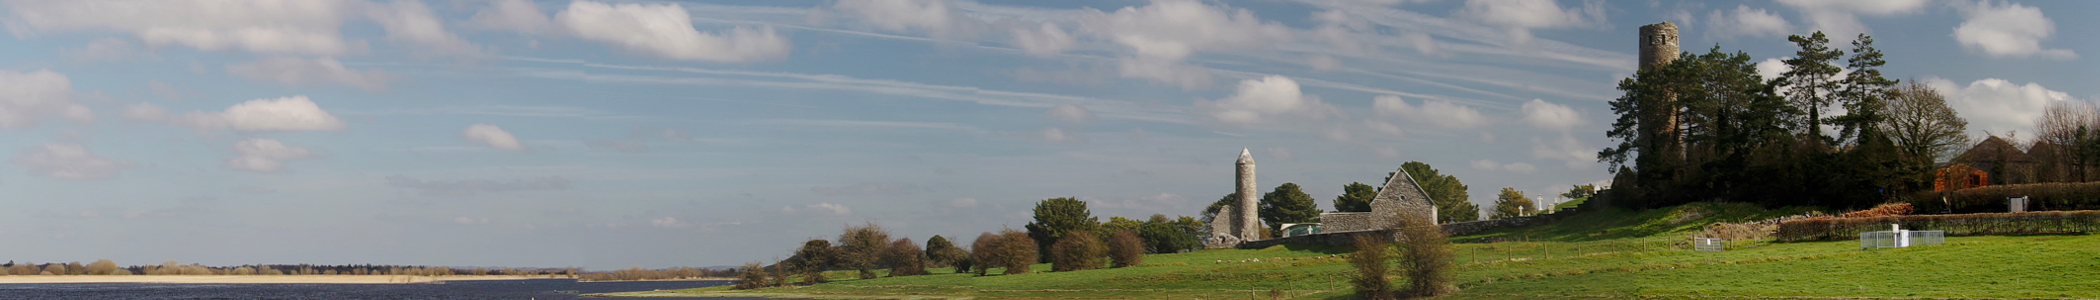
1658,48
1248,217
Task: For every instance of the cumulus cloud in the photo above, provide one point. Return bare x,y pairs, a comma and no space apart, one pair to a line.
1997,105
879,189
819,208
1044,40
936,18
666,30
26,98
1840,18
1746,21
1521,16
1435,112
1771,68
1071,113
1549,116
1272,98
68,161
265,26
411,22
297,71
469,187
1491,165
295,113
512,15
1567,149
1055,135
1163,33
264,155
2011,30
493,136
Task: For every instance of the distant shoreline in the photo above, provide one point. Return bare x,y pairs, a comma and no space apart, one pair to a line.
250,279
684,279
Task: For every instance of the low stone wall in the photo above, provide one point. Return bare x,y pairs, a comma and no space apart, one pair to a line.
1345,238
1346,222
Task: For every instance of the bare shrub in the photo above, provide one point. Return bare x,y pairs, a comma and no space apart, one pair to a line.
1126,249
1884,210
102,267
1078,250
1370,262
1425,258
904,258
751,276
1018,251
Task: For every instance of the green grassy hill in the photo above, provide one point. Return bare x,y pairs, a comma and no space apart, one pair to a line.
1608,253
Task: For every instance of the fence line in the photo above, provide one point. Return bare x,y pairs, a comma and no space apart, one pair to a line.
1963,224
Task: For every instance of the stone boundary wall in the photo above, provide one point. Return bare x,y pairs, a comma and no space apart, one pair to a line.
1346,238
1346,222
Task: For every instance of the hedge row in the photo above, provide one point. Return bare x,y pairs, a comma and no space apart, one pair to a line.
2041,197
1964,224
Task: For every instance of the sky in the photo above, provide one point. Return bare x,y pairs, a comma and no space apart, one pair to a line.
606,134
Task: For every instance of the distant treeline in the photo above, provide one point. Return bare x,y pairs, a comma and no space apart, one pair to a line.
637,273
171,267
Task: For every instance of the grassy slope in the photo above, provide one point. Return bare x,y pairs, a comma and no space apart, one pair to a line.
1605,253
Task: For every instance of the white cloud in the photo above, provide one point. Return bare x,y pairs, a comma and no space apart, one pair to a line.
1269,99
1383,127
963,202
1839,19
296,71
1171,72
822,208
470,220
1491,165
1746,21
1173,29
265,26
513,15
1054,135
669,222
493,136
1521,16
1044,40
672,134
295,113
26,98
666,30
936,18
2012,30
1435,112
412,22
1550,116
68,161
1996,105
1071,113
111,49
1771,68
1567,150
264,155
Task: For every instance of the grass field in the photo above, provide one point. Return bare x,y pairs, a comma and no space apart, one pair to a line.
1606,254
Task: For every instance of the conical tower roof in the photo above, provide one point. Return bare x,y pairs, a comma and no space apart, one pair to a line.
1246,157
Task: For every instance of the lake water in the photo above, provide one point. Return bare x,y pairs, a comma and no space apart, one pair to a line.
486,289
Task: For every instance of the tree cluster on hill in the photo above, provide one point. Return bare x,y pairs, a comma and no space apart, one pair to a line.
1708,127
1511,203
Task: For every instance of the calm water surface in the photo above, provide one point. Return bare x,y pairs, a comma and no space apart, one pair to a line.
489,289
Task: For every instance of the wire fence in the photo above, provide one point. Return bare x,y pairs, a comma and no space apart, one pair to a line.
1900,239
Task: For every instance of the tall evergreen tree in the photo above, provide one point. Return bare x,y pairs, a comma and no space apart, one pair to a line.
1811,79
1055,217
1863,92
1355,197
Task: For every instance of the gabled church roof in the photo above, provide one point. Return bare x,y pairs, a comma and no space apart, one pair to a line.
1404,189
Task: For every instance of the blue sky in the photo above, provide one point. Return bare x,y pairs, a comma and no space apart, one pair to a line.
614,134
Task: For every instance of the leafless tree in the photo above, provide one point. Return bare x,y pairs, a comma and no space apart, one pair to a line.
1921,123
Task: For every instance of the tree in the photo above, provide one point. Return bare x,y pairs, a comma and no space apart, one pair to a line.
1921,123
1288,204
1056,217
1811,79
1580,191
1126,249
905,258
1163,235
751,276
862,248
810,260
985,251
1452,202
1018,251
942,253
1512,203
1117,224
1355,197
2064,124
102,267
1863,92
1210,213
1078,250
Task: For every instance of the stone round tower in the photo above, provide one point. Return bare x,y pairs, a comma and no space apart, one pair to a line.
1248,217
1658,49
1658,45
